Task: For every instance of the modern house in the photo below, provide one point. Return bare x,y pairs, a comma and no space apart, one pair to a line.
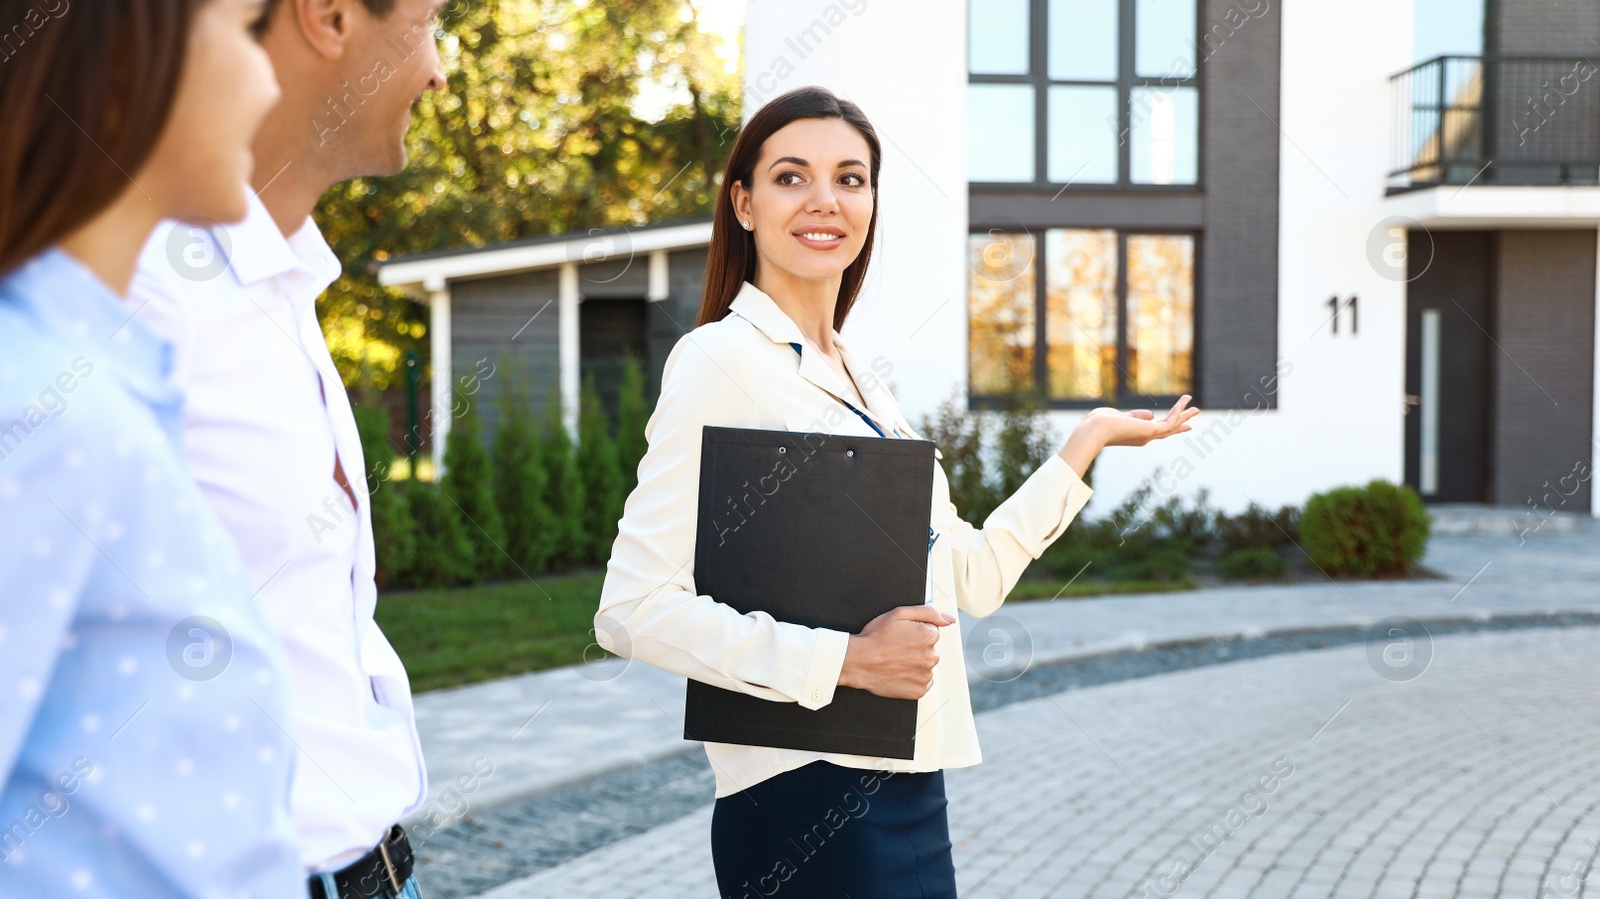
1366,251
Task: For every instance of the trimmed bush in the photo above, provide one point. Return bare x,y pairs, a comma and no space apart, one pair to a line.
563,488
1024,442
1379,529
520,483
1149,560
960,438
444,555
468,490
1257,528
393,532
1255,563
601,475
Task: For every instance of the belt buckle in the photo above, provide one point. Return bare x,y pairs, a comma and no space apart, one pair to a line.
388,866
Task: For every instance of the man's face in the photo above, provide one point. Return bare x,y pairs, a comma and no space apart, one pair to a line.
390,61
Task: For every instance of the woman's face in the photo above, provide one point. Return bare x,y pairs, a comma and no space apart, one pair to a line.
809,199
200,166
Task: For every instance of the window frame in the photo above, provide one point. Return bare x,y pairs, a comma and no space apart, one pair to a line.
1126,82
1120,395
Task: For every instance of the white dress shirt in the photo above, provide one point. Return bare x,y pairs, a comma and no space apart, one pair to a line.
743,372
265,417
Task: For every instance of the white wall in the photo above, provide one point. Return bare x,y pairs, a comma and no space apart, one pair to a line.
1339,418
904,64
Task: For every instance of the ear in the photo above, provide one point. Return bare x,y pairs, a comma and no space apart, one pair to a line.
740,197
325,24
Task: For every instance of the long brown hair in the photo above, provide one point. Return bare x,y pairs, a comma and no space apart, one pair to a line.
84,95
731,260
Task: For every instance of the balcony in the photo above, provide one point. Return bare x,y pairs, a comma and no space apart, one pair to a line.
1496,120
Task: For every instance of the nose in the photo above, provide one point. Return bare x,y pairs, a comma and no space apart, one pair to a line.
436,77
823,198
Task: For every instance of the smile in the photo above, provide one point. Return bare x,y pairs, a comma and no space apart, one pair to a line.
820,238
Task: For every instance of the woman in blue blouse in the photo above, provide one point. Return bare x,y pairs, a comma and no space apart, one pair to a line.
142,700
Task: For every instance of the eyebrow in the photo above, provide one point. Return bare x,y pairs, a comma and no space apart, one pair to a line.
801,162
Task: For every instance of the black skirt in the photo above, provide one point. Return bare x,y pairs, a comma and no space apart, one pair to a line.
824,831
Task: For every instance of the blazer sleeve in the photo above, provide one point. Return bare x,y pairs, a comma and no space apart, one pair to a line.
988,561
649,608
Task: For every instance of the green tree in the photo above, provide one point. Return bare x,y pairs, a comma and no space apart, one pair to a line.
393,532
520,480
564,488
600,473
468,487
633,412
545,125
444,554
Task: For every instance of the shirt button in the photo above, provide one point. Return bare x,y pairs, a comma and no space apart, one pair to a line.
816,694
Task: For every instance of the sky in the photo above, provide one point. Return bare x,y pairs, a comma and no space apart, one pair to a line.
1446,26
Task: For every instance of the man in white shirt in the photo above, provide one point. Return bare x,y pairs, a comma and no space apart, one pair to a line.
268,428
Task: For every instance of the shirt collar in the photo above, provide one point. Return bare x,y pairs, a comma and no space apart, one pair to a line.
757,307
258,251
74,303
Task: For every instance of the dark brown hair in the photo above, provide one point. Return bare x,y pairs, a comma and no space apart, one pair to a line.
731,260
84,94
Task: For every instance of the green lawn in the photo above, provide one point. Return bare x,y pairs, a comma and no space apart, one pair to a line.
463,635
1031,589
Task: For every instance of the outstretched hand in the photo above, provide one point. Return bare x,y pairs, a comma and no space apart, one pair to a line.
1141,426
1105,427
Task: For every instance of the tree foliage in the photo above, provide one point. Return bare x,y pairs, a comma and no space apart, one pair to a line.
558,116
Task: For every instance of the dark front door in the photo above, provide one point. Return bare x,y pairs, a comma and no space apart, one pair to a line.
609,331
1448,361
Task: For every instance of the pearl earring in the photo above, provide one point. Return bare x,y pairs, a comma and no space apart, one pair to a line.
747,224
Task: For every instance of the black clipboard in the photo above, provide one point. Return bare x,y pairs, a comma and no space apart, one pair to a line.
823,530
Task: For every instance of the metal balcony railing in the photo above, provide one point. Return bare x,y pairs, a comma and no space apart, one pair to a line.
1514,120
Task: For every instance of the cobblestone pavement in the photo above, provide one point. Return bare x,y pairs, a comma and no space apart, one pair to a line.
1461,766
547,731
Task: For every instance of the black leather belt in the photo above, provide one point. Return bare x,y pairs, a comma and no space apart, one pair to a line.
380,874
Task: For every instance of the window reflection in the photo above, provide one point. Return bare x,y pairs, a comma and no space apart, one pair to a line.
1083,40
1164,35
1160,314
1081,313
999,132
1083,135
1000,312
1165,123
997,37
1109,334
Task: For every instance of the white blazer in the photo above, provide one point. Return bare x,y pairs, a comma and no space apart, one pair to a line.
743,372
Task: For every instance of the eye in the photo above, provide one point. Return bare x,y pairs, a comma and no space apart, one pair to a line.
853,179
789,174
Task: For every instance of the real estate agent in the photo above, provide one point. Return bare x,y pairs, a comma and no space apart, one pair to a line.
791,242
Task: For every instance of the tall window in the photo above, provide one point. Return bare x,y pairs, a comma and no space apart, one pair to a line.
1082,92
1111,319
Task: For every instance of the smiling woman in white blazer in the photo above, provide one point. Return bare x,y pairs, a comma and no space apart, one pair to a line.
791,241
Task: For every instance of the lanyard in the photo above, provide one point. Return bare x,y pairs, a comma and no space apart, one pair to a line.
851,406
932,536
